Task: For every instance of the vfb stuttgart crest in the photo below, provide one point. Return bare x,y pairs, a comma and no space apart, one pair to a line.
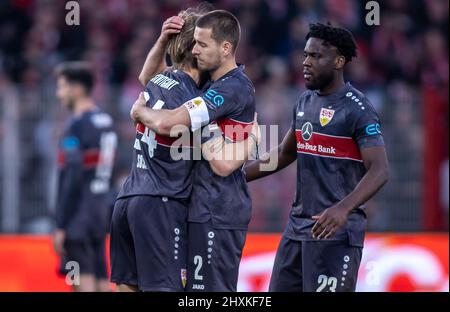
325,116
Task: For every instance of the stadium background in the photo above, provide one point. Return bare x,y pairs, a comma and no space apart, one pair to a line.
402,67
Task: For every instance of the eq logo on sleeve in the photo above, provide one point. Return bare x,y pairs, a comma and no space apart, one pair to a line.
214,97
373,129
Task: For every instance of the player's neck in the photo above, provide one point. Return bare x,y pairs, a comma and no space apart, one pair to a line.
336,85
193,73
223,69
82,105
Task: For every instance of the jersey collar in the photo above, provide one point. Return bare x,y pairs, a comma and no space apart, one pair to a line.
337,94
239,68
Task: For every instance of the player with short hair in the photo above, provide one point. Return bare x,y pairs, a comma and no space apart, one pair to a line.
220,204
341,163
149,227
86,158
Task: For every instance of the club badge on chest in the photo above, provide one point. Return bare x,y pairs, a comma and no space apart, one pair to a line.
325,116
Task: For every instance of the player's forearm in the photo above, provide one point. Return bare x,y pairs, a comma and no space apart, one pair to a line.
239,152
155,62
155,120
369,185
254,170
233,156
236,154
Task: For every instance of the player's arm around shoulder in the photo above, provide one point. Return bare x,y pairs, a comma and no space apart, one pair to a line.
162,121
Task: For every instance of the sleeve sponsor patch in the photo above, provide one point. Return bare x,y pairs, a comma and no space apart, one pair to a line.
373,129
70,143
214,98
198,112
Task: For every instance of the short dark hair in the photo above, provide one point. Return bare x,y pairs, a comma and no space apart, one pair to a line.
224,26
77,72
340,38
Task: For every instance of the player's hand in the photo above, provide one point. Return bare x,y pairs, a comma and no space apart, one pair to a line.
58,241
255,135
329,222
256,130
172,25
137,106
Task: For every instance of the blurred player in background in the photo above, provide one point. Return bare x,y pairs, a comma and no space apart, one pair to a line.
220,205
149,227
86,158
341,163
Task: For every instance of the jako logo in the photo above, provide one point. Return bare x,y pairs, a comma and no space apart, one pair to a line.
373,129
214,97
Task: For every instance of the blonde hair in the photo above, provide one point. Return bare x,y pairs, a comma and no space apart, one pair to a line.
180,45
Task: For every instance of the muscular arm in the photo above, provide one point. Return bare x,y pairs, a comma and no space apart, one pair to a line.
162,120
333,218
283,155
155,61
375,161
224,157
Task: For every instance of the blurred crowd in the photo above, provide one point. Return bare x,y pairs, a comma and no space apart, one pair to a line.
396,61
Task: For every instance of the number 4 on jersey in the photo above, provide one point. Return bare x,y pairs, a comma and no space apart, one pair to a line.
149,136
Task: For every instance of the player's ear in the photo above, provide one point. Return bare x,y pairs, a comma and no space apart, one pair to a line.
339,62
227,48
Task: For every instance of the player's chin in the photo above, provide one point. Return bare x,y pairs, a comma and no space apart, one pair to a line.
203,67
310,85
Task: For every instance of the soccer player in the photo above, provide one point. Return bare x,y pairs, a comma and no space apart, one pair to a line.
220,205
86,158
149,226
341,163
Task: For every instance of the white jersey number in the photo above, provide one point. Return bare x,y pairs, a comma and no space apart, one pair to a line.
325,281
108,145
149,135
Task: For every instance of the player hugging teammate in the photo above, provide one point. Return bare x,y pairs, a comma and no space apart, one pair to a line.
182,223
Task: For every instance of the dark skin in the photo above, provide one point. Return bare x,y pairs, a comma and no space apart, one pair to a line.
323,71
322,67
